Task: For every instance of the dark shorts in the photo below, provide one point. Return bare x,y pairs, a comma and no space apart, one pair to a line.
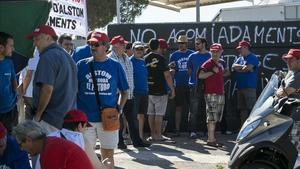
10,119
140,104
246,98
182,94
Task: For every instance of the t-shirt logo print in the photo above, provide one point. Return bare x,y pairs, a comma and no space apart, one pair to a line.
153,63
102,78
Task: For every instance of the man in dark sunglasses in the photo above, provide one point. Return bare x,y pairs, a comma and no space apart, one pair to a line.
181,78
110,77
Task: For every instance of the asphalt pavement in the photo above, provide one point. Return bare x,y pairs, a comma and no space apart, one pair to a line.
185,153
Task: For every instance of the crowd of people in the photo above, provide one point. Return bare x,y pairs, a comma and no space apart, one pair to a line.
71,96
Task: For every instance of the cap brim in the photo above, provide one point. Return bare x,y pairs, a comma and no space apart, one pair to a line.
287,56
138,46
30,36
93,40
88,124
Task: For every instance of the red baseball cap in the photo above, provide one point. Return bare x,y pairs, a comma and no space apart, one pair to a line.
2,131
163,44
216,47
76,115
118,39
42,29
292,53
243,43
98,37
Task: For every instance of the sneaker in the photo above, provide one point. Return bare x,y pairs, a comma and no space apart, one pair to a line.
122,146
193,135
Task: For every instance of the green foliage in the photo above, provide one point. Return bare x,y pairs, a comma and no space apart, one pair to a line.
131,8
101,12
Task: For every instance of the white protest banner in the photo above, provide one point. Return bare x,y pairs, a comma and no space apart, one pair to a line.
69,16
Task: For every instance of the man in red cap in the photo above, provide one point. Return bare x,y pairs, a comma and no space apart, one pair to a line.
213,72
246,69
75,124
292,80
55,81
11,156
110,77
118,53
290,88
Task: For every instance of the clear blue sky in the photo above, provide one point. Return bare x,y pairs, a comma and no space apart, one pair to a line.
154,14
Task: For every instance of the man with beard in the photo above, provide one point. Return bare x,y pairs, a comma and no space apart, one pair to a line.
178,62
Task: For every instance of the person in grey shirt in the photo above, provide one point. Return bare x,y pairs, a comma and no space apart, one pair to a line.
290,88
55,82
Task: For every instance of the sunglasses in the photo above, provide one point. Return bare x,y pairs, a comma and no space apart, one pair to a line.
181,42
139,48
95,45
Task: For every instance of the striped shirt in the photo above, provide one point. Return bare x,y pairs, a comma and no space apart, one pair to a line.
128,68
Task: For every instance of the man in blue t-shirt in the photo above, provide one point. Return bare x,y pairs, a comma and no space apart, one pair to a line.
11,156
179,68
8,83
82,52
246,68
140,90
110,78
197,114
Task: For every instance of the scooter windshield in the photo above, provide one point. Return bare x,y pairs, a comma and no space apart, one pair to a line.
265,99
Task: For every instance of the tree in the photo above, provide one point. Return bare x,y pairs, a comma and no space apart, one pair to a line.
101,12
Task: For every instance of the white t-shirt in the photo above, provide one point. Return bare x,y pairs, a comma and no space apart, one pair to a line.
32,64
73,136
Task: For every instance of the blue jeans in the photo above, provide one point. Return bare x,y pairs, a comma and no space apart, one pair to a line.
197,114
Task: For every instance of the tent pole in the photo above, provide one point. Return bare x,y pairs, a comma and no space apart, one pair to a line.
118,11
197,10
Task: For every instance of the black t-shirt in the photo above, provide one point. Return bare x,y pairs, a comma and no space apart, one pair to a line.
156,66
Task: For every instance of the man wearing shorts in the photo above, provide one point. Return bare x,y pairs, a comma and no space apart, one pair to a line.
246,68
110,76
212,71
140,91
159,78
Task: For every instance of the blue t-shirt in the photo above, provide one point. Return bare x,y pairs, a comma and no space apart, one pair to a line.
8,96
110,76
13,157
247,79
195,61
181,77
140,75
81,52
